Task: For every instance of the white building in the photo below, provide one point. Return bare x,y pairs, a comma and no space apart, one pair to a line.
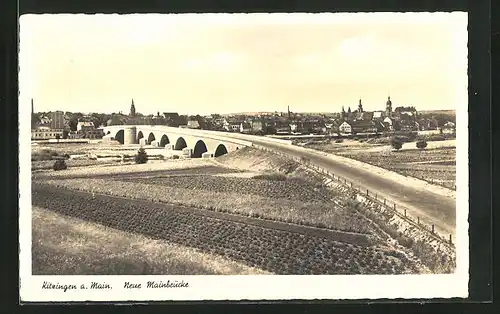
345,128
85,126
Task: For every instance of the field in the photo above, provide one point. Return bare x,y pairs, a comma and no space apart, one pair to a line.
249,207
273,250
435,164
69,246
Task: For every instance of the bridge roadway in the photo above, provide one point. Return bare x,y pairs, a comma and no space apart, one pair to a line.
432,208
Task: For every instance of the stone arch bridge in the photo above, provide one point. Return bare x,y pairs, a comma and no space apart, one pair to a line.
199,141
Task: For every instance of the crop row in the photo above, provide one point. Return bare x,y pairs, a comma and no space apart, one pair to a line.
318,214
290,188
383,159
280,252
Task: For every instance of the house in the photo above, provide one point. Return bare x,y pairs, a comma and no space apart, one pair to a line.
345,128
245,127
46,133
449,125
84,126
193,124
388,124
364,126
378,115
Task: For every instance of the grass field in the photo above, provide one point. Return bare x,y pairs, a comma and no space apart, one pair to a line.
432,165
63,245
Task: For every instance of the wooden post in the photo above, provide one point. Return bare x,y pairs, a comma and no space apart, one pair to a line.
351,184
450,239
405,212
418,220
384,201
394,206
432,228
375,195
366,192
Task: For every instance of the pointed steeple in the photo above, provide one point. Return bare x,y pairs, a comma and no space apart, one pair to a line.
132,108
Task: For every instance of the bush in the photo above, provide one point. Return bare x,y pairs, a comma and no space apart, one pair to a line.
175,157
339,140
60,165
141,157
421,144
396,144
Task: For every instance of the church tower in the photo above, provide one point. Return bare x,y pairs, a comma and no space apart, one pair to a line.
132,108
32,107
360,106
388,107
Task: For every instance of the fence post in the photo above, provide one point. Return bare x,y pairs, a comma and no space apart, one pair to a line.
351,184
384,201
418,220
366,192
450,239
432,228
394,206
405,212
375,196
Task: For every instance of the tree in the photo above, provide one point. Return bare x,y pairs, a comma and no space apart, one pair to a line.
65,134
421,144
58,137
141,157
396,144
73,122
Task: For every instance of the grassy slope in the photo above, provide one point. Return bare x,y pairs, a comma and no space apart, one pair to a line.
66,246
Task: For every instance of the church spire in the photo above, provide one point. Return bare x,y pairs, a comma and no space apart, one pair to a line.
132,108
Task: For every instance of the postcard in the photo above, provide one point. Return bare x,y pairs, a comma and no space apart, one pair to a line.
243,156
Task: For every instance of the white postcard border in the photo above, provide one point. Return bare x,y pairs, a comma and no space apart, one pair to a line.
248,287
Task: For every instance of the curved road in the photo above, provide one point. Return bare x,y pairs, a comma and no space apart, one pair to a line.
432,208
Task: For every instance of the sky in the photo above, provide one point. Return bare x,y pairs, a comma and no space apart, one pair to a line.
225,63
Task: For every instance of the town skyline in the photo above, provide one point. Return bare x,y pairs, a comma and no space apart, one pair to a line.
243,63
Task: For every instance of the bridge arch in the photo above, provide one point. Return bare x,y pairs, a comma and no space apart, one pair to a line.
120,136
164,140
151,138
180,143
199,148
220,150
139,136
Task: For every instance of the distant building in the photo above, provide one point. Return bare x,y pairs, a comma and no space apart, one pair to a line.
245,127
57,121
388,107
378,115
132,109
85,126
46,133
364,126
345,128
193,124
388,123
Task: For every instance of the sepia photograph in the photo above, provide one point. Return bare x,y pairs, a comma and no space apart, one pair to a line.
169,148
